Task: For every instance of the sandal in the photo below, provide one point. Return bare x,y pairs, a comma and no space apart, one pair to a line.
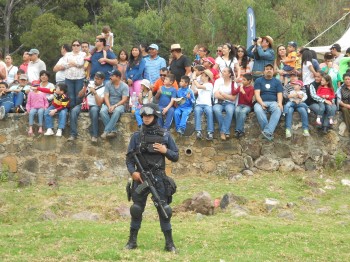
40,131
30,133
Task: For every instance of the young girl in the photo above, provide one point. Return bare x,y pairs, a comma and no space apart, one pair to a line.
326,92
135,70
144,97
122,63
36,104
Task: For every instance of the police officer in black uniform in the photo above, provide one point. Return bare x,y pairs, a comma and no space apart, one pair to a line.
155,144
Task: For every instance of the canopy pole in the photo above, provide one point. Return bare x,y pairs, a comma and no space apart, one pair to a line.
327,29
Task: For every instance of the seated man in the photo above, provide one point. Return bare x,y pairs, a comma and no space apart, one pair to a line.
268,94
116,95
94,93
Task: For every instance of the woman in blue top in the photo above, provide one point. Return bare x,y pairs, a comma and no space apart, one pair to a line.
134,71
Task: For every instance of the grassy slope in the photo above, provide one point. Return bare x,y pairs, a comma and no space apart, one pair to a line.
261,236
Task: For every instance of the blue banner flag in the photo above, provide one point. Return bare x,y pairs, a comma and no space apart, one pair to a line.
250,26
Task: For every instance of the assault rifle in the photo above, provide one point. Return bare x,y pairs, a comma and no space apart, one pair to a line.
148,182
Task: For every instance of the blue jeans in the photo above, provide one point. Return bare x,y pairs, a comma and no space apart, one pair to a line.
18,98
265,125
325,109
181,115
62,116
138,117
110,119
7,102
224,121
74,86
294,105
303,114
93,113
168,118
208,111
33,112
241,115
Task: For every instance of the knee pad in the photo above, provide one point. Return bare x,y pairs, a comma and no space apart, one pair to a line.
136,211
168,211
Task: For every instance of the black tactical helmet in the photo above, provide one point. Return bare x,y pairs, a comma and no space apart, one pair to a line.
150,109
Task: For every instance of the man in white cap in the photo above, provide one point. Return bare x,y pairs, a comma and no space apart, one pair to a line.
35,65
153,64
180,64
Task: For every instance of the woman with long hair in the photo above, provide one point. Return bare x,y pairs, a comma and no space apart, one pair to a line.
134,70
307,68
228,59
122,63
243,62
278,65
224,101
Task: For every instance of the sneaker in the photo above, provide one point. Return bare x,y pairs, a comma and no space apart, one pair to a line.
288,133
199,135
111,134
308,110
210,136
267,136
49,132
227,136
306,132
59,132
318,121
180,131
94,139
71,138
331,122
2,112
237,134
104,135
241,134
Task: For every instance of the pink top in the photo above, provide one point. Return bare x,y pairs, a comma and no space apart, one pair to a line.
36,100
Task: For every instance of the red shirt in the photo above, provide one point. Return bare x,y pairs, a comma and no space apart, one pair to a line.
24,67
247,98
325,90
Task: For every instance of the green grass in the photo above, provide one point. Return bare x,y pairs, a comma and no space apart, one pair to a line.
260,236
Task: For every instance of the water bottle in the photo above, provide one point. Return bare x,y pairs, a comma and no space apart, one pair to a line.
133,102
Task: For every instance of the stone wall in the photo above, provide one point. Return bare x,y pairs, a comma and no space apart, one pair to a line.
42,158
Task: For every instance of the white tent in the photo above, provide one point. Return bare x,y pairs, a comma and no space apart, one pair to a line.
344,43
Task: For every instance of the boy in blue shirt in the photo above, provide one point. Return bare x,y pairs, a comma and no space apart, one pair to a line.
165,96
185,100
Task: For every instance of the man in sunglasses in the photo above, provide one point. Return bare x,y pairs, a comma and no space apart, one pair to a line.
152,145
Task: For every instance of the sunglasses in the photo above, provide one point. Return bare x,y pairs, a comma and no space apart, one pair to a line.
76,45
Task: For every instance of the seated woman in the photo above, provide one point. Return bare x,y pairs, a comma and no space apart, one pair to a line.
224,101
344,100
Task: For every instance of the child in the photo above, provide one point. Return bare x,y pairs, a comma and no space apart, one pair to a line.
160,81
166,95
290,61
204,90
145,97
108,35
6,100
185,100
296,97
326,92
59,105
196,75
20,92
245,103
36,104
208,63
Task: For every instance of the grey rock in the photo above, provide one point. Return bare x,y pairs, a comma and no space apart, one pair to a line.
48,215
248,172
202,203
311,165
230,198
24,181
299,156
266,163
271,204
286,215
235,177
323,210
248,162
239,211
86,215
286,165
311,201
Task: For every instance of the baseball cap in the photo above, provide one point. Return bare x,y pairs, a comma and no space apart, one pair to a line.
36,83
175,46
23,77
116,72
336,47
154,46
269,64
297,82
292,43
33,51
209,59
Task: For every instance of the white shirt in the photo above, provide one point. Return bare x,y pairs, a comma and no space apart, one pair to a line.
205,95
11,73
91,98
308,76
223,63
61,75
220,86
34,69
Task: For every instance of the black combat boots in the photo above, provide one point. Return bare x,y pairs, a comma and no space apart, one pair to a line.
132,243
169,243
